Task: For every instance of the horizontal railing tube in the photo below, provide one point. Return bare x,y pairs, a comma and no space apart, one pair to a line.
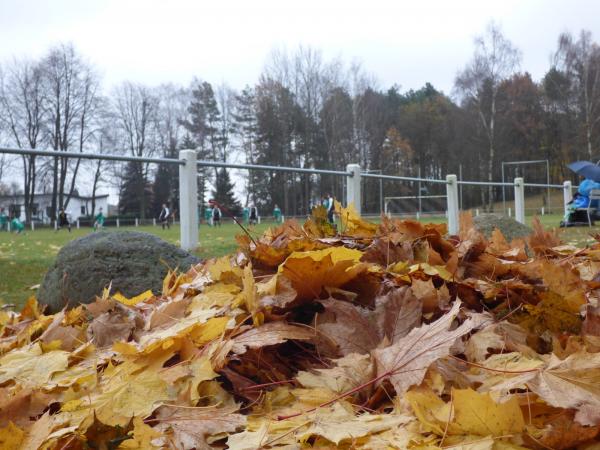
541,185
484,183
399,178
77,155
273,168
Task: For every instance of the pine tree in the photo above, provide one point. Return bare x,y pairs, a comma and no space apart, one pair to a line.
246,128
134,182
161,189
202,125
224,194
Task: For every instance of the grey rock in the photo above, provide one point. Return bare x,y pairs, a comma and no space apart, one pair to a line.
133,261
510,228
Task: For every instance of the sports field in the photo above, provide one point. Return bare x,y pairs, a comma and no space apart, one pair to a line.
25,258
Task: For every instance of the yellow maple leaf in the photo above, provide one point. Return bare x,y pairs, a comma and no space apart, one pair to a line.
352,223
431,270
31,367
478,413
311,271
250,296
468,413
141,436
432,411
202,370
146,295
124,397
210,330
224,270
11,437
337,424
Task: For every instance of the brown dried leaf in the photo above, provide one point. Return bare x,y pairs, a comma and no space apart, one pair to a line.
191,428
348,372
406,361
111,327
271,333
353,329
500,337
345,328
542,240
385,252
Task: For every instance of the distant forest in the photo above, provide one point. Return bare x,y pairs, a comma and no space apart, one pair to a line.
303,111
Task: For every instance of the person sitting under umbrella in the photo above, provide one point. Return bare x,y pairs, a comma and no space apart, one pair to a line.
581,199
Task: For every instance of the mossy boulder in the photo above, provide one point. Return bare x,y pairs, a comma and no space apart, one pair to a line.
510,228
132,261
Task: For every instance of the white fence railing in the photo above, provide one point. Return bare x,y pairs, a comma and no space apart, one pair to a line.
188,187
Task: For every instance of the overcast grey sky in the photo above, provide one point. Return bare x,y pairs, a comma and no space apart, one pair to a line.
403,42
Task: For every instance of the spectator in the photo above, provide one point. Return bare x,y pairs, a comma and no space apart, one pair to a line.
3,220
99,220
246,214
164,217
16,225
208,215
253,215
329,205
216,216
63,220
277,214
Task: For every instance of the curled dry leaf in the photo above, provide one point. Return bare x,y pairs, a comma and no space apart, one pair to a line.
270,334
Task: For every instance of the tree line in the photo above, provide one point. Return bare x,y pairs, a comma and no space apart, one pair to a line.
304,111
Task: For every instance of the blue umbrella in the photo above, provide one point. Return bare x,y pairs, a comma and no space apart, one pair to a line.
586,169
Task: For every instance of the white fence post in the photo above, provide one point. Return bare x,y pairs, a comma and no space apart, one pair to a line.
353,187
118,224
32,225
519,200
188,200
78,224
55,225
567,195
154,221
452,199
137,222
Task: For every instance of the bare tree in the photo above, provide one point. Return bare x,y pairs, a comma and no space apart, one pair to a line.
135,110
580,61
494,60
225,97
22,113
71,96
172,107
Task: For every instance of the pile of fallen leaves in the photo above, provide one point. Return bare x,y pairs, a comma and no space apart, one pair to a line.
374,336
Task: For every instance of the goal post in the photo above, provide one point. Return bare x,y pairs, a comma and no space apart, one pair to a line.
417,198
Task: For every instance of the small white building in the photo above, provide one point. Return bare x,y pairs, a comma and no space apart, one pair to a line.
79,206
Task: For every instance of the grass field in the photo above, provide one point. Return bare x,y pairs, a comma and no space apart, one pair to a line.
25,258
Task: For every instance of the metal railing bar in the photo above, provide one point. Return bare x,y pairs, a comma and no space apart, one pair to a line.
541,185
399,178
484,183
407,197
77,155
273,168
